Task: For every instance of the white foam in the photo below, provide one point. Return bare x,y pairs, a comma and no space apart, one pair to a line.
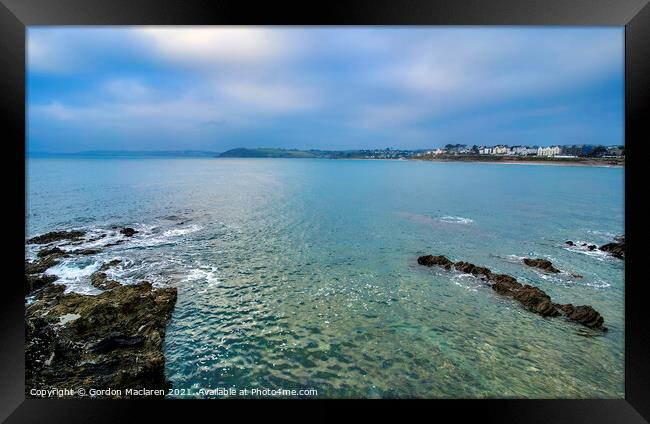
513,258
596,253
455,220
599,284
181,231
93,239
151,238
75,276
204,274
605,234
466,281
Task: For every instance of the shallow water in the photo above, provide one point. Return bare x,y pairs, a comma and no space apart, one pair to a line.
303,273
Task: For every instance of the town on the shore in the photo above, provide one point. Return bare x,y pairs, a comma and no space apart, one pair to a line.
519,151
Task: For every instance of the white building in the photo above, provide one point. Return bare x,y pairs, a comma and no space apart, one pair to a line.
485,151
519,150
499,150
549,151
531,151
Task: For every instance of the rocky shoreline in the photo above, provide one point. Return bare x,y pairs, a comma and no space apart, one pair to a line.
615,248
532,298
112,340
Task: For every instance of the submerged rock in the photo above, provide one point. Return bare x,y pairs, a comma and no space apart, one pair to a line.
541,264
110,264
128,231
56,236
111,340
570,243
86,251
616,249
532,298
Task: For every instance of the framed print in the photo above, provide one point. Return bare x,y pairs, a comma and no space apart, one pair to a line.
423,200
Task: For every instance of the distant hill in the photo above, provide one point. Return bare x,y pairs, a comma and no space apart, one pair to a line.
270,153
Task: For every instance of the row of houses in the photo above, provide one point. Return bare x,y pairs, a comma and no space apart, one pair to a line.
544,151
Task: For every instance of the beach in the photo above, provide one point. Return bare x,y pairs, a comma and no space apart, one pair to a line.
527,160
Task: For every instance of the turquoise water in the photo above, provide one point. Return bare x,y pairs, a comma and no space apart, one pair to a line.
303,273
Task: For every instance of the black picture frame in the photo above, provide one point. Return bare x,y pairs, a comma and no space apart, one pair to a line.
16,15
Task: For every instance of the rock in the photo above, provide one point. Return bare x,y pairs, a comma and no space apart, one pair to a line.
100,280
49,252
532,298
430,260
592,247
117,341
34,270
470,268
570,243
616,249
111,340
128,231
56,236
41,265
535,299
504,284
115,243
86,251
110,264
541,264
35,281
585,315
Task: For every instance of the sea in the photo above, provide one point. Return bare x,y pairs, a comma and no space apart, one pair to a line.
299,277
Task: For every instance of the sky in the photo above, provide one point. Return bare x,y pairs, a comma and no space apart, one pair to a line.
217,88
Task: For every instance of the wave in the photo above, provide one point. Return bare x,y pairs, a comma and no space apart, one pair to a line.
455,220
466,281
203,275
75,276
604,234
596,253
513,259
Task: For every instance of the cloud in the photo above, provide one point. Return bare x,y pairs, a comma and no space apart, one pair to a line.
210,45
464,68
415,86
45,55
126,89
269,97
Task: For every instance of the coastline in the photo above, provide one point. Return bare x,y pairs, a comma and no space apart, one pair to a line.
593,162
110,342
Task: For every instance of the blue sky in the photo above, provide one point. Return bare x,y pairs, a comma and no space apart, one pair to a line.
216,88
